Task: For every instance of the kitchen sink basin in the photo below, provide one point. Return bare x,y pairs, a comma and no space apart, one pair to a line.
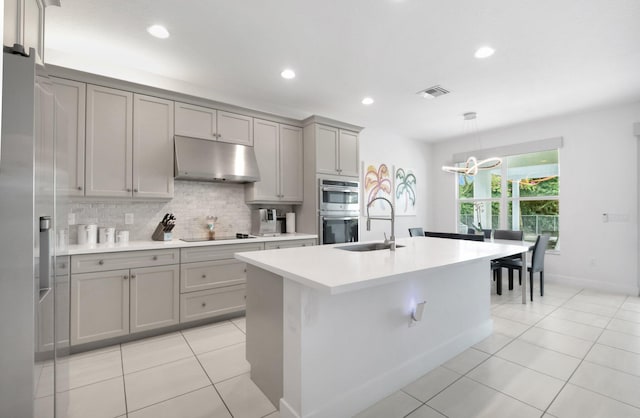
373,246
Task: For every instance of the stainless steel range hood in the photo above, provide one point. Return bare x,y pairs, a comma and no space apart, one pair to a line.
204,160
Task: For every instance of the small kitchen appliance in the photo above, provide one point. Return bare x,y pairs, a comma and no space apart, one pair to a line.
263,222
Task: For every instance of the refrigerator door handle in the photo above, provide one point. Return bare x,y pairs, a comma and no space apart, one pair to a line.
45,256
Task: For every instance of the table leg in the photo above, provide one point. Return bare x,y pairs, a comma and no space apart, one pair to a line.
523,286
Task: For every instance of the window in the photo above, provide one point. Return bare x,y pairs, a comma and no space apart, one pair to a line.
522,194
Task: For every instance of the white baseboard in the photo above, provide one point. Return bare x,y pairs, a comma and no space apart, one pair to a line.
632,290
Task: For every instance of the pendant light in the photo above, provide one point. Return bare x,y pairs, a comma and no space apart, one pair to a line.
472,165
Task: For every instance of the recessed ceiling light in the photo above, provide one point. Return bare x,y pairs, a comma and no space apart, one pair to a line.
158,31
484,52
288,74
367,101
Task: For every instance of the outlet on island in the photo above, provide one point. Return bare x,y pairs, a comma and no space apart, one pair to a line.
128,218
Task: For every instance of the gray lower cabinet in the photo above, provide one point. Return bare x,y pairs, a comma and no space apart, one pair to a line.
209,303
154,297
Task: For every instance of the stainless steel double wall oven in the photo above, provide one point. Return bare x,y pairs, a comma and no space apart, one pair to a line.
339,211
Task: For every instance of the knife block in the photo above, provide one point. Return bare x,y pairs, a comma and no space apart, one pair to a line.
160,235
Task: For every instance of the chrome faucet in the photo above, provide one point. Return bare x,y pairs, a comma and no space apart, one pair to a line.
392,239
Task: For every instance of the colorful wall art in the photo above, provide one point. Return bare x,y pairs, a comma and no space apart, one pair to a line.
405,192
377,183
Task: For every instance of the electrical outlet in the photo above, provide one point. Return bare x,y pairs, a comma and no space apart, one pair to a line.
128,218
71,218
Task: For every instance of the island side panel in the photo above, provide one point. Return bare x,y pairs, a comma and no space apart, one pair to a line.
345,352
264,331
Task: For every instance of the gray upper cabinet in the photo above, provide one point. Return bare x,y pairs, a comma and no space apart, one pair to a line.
279,153
70,131
215,125
336,151
125,155
152,147
109,158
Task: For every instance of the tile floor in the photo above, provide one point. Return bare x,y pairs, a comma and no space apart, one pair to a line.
573,353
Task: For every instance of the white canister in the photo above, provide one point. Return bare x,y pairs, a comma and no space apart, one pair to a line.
122,237
291,222
107,235
83,234
92,235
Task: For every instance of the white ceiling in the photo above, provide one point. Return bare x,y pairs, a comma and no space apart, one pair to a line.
552,56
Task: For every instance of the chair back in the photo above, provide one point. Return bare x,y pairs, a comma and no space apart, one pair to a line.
539,249
416,232
507,234
486,233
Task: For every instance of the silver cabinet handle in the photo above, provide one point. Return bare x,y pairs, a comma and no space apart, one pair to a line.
204,276
204,304
62,266
155,257
245,270
129,190
79,187
304,245
135,190
133,276
101,262
125,277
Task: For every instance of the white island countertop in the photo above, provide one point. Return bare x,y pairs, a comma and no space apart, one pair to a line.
176,243
330,269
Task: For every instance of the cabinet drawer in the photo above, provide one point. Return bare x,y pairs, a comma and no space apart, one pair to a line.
216,252
208,303
211,274
123,260
289,244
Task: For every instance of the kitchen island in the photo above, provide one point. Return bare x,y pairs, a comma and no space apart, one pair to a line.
330,331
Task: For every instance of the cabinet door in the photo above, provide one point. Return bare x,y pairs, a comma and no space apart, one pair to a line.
348,154
276,245
196,121
109,159
234,128
70,123
152,147
155,297
326,149
99,306
214,302
290,163
266,146
61,312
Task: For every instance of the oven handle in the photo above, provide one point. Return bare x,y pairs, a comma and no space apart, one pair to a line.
339,189
339,218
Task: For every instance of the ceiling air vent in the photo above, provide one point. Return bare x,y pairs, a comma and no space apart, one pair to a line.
433,92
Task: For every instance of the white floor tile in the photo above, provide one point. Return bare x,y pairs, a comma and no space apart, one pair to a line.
562,343
593,308
43,407
540,359
571,328
202,403
160,383
212,337
614,358
526,385
466,360
518,314
240,323
273,415
99,400
493,343
628,315
605,381
585,318
620,340
225,363
243,398
576,402
425,411
600,298
150,352
396,405
627,327
508,327
466,398
551,300
431,383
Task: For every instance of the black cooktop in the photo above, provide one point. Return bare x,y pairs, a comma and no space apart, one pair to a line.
200,239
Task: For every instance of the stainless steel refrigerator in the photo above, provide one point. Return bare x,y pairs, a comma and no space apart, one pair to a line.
34,289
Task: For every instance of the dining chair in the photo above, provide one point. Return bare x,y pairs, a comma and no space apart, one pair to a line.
537,263
486,233
416,232
506,234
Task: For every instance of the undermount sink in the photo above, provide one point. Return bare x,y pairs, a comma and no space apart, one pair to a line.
373,246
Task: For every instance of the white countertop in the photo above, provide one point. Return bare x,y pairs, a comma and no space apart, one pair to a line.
176,243
330,269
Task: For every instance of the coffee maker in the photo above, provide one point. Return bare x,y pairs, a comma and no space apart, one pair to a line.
263,222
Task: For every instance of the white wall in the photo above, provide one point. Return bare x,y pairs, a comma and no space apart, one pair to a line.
384,147
598,164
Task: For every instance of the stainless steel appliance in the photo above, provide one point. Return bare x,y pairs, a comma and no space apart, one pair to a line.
339,211
339,195
264,222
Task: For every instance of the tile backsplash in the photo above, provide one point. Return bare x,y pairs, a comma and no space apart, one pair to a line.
193,201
